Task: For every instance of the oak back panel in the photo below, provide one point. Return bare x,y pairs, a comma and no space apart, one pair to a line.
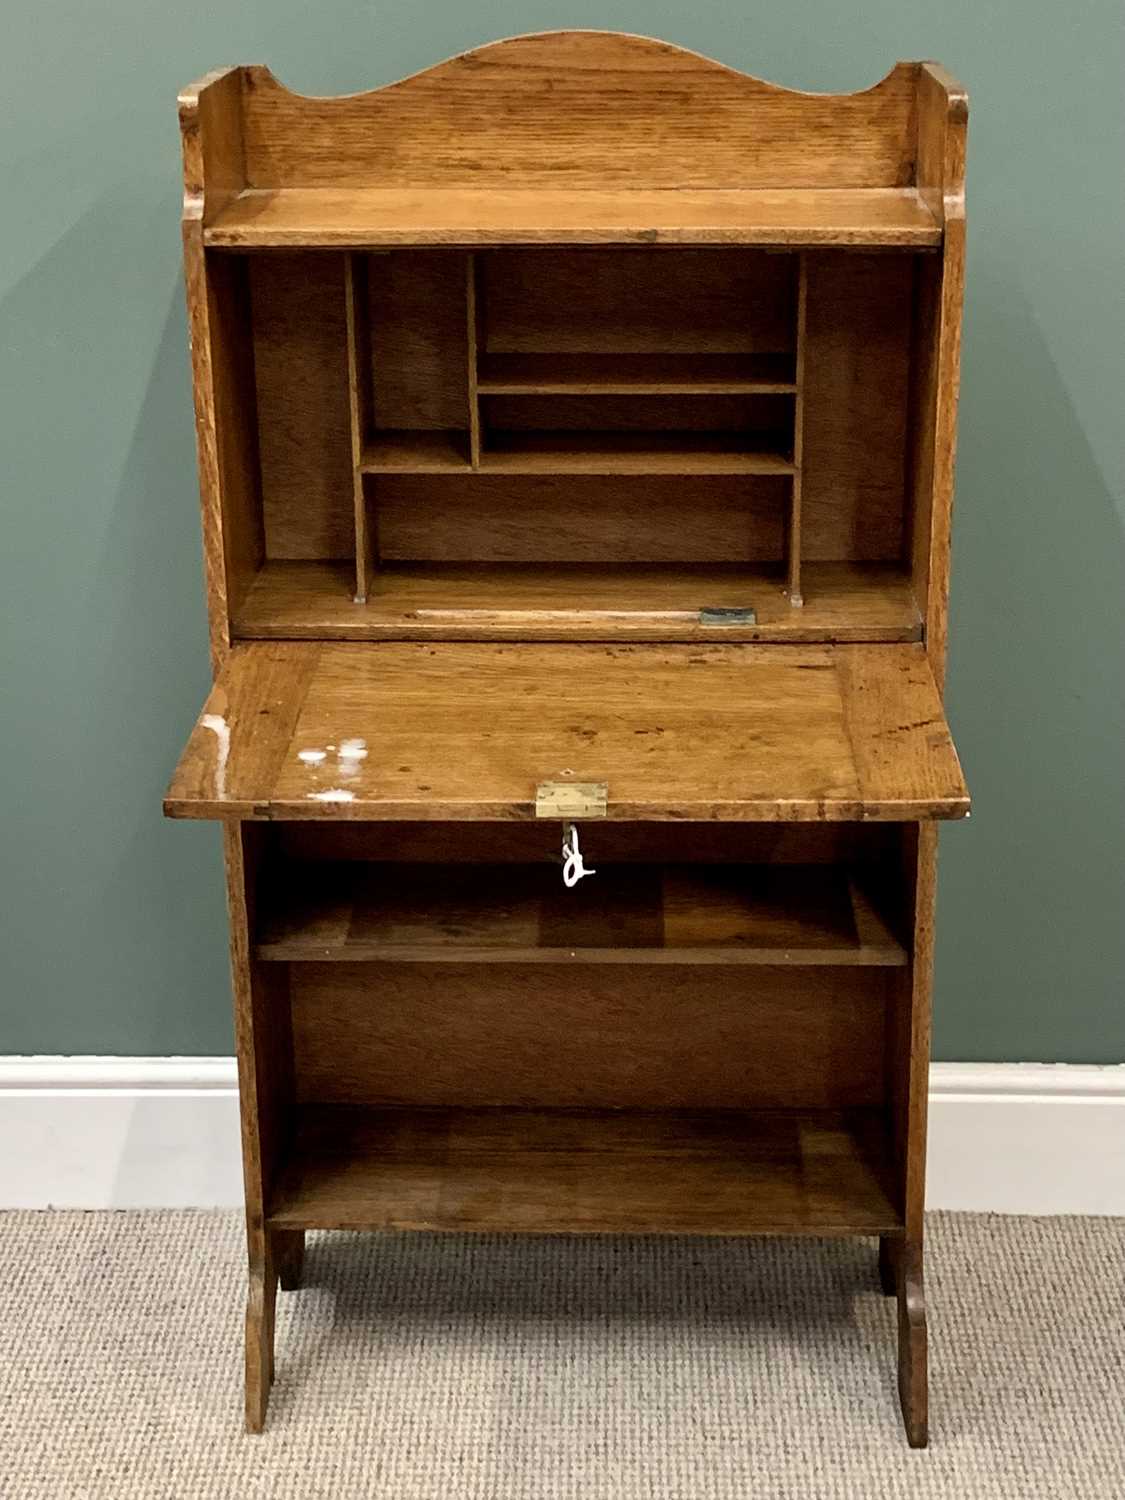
638,1037
580,109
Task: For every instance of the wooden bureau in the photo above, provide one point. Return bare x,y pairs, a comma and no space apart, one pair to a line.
576,427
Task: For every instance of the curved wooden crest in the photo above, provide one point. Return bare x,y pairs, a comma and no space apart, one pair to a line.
576,109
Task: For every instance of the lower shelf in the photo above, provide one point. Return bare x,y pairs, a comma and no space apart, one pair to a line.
683,914
594,1172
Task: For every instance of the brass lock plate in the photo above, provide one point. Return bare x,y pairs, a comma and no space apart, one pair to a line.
571,799
721,614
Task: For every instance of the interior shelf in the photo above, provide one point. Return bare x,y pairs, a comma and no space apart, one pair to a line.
848,602
587,1171
358,218
568,444
687,914
428,452
629,453
416,452
636,374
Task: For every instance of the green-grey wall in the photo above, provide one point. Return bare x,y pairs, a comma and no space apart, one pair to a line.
111,919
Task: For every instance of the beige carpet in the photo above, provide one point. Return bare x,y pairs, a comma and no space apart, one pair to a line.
557,1369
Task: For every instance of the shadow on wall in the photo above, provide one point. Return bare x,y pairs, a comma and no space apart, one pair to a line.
117,922
1031,938
180,906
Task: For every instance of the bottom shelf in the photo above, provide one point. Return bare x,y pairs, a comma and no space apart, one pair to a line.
588,1171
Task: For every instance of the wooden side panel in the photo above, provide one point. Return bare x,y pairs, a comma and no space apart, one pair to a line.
236,432
641,1037
942,118
638,302
264,1044
581,109
211,138
263,1032
922,427
581,519
300,356
924,848
909,1025
856,379
943,112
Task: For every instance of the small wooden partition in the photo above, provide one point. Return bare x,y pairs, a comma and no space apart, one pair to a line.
576,428
576,385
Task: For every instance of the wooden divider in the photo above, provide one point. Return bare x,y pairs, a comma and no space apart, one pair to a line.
360,409
549,405
795,596
475,328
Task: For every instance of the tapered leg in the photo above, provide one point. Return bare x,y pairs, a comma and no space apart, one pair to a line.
261,1305
912,1358
289,1256
888,1263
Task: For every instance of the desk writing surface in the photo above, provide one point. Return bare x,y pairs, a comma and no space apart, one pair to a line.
459,730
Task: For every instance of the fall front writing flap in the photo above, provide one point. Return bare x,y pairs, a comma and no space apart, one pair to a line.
462,731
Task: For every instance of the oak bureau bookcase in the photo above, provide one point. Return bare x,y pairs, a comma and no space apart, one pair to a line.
576,429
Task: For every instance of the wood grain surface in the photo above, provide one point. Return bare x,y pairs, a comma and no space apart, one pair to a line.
696,914
366,218
592,602
598,521
628,303
943,113
300,365
657,374
584,109
615,1172
459,731
645,1036
553,344
505,842
854,402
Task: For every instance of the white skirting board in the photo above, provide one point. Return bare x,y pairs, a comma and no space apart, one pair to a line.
162,1132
